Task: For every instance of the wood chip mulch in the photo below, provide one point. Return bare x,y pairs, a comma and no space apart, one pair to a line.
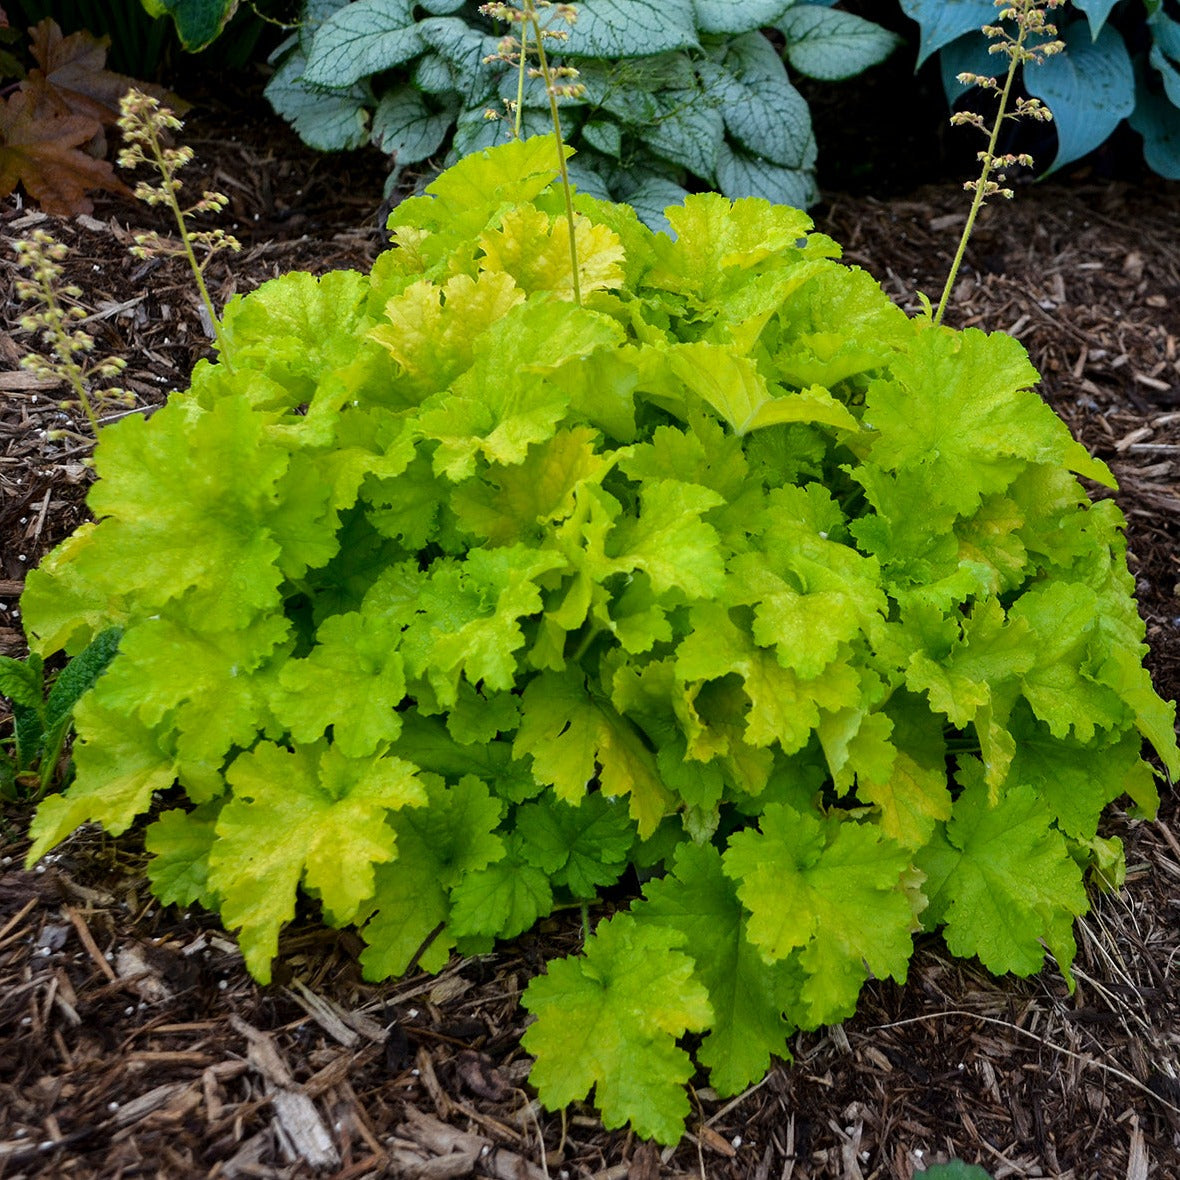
132,1042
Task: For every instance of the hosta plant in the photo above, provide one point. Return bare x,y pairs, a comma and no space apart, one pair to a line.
1121,60
447,600
673,89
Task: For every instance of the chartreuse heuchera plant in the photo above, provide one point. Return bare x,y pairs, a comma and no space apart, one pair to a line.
447,600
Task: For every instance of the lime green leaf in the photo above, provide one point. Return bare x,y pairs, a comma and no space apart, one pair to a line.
120,762
735,388
960,405
1078,780
913,795
1002,881
503,900
202,680
669,541
1063,617
534,248
352,680
571,734
609,1021
21,682
182,475
297,328
717,239
311,815
431,331
830,888
438,845
470,617
510,504
993,649
783,706
748,995
180,843
582,847
427,743
503,404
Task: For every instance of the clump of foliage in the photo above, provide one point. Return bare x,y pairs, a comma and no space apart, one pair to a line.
1120,60
673,91
446,600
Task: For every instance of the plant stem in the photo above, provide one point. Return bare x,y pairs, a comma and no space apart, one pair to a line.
189,253
69,368
981,184
531,18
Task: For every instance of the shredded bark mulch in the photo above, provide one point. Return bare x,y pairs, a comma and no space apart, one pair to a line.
132,1042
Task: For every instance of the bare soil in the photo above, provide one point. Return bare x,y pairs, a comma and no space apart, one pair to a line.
132,1042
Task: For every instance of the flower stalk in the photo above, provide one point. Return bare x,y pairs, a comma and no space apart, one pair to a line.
1031,21
144,123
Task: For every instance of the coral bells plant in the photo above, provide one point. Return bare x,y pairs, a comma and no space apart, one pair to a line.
446,600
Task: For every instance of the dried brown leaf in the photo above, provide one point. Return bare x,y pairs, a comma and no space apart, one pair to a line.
43,152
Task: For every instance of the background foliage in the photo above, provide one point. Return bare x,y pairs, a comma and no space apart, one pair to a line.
678,92
1121,62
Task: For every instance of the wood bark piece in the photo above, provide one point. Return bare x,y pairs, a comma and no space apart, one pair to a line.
298,1126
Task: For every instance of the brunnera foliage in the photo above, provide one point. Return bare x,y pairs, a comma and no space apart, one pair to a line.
446,600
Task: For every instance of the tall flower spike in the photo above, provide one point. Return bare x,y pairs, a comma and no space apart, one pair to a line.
559,83
57,326
1031,20
145,124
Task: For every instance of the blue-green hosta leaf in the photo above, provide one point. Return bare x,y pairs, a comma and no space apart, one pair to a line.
1168,72
441,7
652,198
1158,121
327,120
831,45
944,20
1089,87
1097,13
631,28
406,128
966,55
367,37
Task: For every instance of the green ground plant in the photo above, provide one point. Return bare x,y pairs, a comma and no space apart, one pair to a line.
675,92
475,585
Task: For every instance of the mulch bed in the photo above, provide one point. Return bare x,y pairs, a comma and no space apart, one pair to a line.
132,1042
